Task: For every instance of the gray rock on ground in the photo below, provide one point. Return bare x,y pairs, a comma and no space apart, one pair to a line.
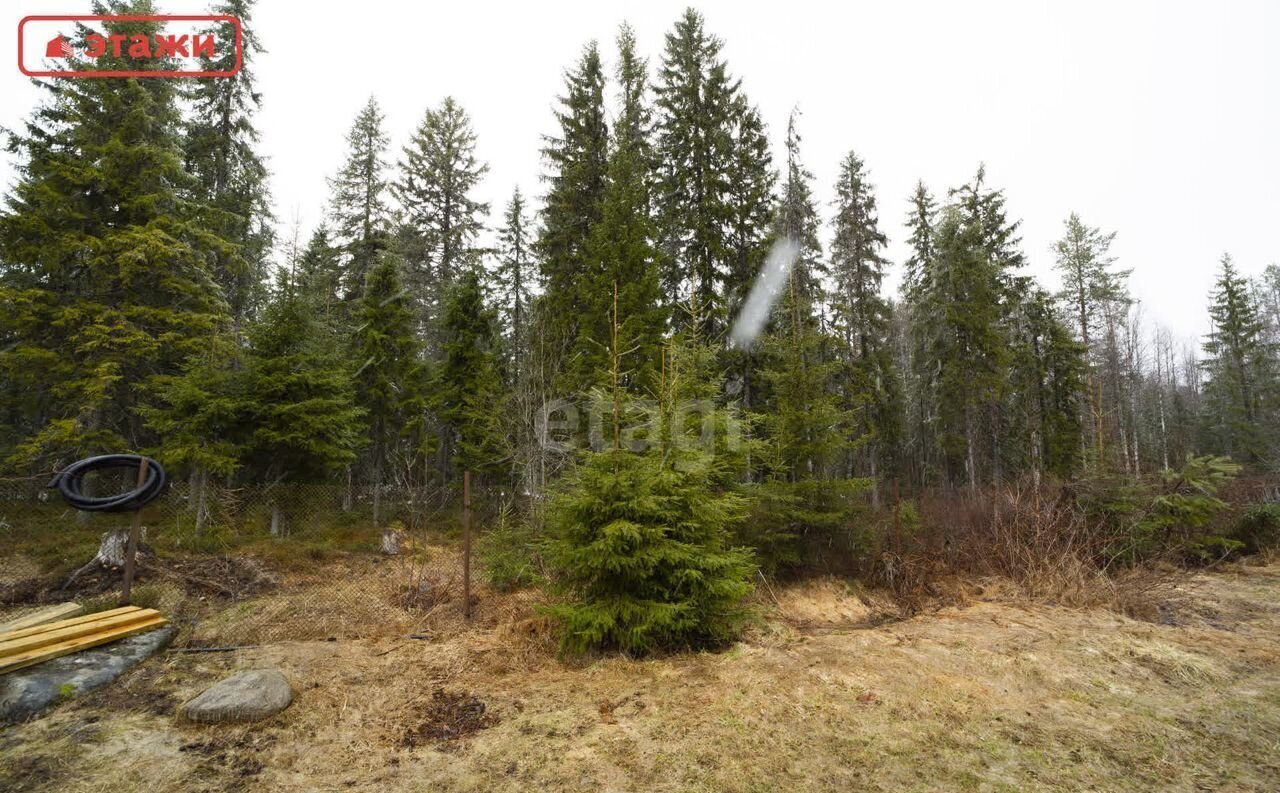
31,690
247,696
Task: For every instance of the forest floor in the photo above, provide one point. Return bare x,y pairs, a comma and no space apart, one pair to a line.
993,695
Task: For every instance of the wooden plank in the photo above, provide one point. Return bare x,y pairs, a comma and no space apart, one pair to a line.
26,643
41,654
94,617
61,611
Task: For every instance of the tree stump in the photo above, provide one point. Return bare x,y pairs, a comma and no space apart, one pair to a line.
111,552
392,539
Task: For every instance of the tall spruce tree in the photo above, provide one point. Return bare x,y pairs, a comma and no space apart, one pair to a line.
1241,396
361,218
319,271
919,445
106,282
229,177
960,315
466,393
620,250
305,423
1047,371
694,141
578,161
861,316
515,279
435,180
750,197
386,357
796,219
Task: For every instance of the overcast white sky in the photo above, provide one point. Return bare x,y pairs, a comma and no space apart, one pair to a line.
1158,120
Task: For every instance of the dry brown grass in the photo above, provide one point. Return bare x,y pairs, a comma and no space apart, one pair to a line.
989,696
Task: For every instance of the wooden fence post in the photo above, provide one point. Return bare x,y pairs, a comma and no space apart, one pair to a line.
466,544
126,589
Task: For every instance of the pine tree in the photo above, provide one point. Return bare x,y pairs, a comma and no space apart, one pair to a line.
386,356
640,539
435,181
1090,289
694,142
229,176
578,160
515,280
861,315
362,220
105,283
1240,363
467,389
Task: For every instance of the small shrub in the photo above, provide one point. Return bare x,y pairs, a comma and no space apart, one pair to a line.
1210,549
508,553
1258,528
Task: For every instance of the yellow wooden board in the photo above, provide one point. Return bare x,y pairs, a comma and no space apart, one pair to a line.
61,611
40,654
95,617
26,643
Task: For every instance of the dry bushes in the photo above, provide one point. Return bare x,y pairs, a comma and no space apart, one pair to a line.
1042,544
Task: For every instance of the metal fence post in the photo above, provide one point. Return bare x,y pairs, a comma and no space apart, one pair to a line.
466,544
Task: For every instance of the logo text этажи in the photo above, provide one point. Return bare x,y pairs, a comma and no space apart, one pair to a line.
180,46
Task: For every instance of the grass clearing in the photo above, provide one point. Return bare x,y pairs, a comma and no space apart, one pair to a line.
990,696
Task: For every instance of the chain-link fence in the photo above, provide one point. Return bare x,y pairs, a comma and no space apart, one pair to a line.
242,564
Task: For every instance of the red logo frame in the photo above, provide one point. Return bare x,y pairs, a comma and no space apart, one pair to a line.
234,21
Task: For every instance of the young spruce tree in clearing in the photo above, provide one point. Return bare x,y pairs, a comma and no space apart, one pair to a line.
639,537
362,221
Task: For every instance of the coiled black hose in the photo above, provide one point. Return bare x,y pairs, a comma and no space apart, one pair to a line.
70,481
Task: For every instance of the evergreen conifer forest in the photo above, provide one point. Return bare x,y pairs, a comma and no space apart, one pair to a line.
677,368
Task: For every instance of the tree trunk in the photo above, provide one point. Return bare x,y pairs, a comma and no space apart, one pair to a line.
277,524
346,494
971,451
200,498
